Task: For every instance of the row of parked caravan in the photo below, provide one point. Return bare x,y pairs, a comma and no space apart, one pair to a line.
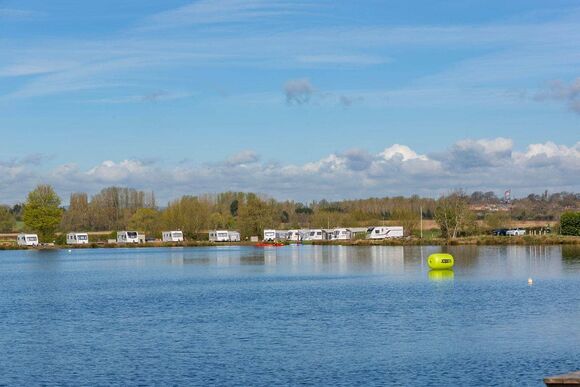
82,238
336,234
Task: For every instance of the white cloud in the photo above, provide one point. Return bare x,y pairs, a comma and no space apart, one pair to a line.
402,152
484,164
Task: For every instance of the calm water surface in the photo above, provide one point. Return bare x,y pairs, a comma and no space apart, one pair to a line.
295,315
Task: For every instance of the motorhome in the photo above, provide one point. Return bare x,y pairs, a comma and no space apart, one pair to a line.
224,236
172,236
385,232
77,238
127,237
27,240
341,234
318,235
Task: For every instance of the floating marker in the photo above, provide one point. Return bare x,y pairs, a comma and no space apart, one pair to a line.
440,261
530,281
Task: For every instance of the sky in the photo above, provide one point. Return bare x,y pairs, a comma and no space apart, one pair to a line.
298,100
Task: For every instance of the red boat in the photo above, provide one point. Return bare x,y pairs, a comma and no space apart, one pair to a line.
266,244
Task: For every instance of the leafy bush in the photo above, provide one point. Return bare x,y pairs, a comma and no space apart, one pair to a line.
570,223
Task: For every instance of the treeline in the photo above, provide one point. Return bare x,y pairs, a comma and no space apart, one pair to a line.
117,208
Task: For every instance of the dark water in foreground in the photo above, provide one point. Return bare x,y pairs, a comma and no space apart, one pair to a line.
295,315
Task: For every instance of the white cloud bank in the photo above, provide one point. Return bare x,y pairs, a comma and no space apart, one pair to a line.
483,164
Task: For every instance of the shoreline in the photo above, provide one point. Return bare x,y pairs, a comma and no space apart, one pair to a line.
528,240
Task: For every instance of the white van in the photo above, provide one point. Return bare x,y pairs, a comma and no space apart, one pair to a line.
385,232
127,237
77,238
172,236
27,240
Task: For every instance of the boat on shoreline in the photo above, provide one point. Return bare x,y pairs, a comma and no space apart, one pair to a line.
269,244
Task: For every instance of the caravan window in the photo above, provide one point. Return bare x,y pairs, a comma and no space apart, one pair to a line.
82,237
319,233
131,234
377,231
31,239
222,234
177,235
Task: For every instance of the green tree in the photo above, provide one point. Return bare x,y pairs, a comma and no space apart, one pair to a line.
146,219
189,214
570,223
234,207
254,216
452,214
7,221
42,213
76,217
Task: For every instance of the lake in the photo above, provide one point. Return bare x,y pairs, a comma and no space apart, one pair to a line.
314,315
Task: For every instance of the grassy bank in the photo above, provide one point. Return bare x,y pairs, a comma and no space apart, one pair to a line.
475,240
480,240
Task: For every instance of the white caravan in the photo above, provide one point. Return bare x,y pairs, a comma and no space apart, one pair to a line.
234,236
224,236
77,238
296,235
341,234
317,235
127,237
172,236
27,240
385,232
275,235
269,235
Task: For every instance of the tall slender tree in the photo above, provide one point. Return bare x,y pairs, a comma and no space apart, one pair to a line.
42,213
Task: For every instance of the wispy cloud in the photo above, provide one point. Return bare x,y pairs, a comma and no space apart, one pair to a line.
151,97
497,56
206,12
16,14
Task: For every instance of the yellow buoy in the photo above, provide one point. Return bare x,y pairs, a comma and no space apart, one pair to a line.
440,261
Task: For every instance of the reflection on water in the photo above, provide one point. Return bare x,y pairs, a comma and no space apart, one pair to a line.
408,261
441,275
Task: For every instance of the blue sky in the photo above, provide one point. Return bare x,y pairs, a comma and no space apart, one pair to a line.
297,99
